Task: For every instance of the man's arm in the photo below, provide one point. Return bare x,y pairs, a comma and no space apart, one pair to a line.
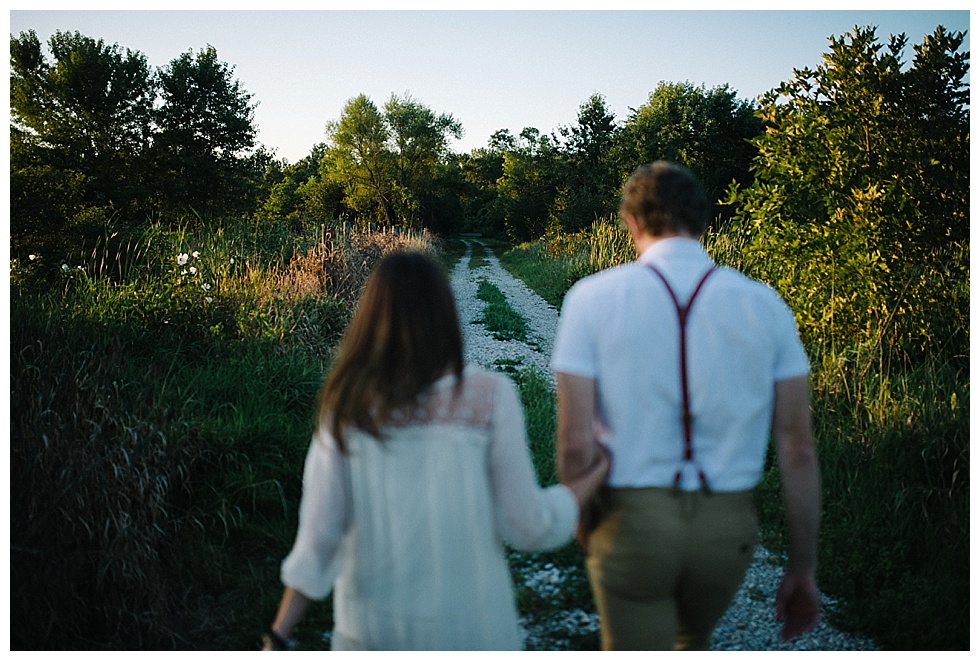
577,446
798,600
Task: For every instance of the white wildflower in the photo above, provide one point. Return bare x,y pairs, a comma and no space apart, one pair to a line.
65,268
32,257
182,258
193,270
208,299
206,287
195,254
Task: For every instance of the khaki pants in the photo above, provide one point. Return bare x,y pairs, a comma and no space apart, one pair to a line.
665,564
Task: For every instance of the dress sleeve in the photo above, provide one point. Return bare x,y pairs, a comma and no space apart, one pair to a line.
324,516
528,517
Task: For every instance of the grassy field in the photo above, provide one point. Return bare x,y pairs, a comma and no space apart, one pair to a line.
162,392
163,387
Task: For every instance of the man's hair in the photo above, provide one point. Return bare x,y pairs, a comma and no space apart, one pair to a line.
405,334
665,197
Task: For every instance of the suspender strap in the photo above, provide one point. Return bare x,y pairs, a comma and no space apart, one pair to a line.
687,419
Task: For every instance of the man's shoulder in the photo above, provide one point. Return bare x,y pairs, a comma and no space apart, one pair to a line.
738,286
738,279
606,279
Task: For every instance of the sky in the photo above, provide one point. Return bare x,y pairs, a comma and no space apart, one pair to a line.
489,69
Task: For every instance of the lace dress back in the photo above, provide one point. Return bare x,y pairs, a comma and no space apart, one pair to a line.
409,530
422,507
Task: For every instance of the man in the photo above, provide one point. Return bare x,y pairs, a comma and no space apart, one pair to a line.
683,369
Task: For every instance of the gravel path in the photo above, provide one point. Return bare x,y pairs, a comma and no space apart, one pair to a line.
749,623
479,345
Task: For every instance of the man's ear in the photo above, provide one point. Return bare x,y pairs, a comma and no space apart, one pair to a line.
632,224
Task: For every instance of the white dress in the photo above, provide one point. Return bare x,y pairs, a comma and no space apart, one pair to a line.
409,531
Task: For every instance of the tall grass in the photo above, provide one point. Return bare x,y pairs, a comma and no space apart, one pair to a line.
893,443
162,389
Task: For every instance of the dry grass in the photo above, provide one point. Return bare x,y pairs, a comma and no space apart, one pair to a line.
340,261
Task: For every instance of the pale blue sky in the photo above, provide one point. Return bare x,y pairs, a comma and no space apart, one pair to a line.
489,69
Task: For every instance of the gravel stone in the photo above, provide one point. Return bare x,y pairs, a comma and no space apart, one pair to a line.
749,624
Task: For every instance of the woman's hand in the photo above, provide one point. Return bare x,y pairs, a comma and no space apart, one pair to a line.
294,603
586,482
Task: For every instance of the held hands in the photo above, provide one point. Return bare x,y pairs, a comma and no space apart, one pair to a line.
586,481
797,604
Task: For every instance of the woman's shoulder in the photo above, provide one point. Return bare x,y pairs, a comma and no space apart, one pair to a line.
478,374
469,400
477,384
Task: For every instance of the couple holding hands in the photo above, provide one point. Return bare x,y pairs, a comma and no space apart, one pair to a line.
672,375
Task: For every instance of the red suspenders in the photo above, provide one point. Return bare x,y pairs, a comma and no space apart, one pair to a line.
686,418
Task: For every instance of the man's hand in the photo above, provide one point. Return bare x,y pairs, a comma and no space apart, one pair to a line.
797,604
797,600
586,482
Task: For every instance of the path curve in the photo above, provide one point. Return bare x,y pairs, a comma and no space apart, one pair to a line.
749,623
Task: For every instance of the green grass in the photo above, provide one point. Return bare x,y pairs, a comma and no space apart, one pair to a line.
452,251
499,317
538,400
157,439
549,278
894,463
478,256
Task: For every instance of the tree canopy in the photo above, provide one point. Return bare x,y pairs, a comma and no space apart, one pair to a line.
708,130
859,208
205,130
388,160
76,124
96,132
854,173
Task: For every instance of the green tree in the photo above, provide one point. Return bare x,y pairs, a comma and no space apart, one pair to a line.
482,169
859,210
590,184
390,162
421,148
206,133
359,160
79,124
292,190
528,186
708,130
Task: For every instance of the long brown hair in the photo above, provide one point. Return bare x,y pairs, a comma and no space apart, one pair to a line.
405,335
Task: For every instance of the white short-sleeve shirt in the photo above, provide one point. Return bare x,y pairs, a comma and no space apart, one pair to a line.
620,328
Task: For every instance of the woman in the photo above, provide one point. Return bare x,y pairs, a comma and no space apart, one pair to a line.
418,472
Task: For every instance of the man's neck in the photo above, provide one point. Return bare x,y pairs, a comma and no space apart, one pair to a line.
644,240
